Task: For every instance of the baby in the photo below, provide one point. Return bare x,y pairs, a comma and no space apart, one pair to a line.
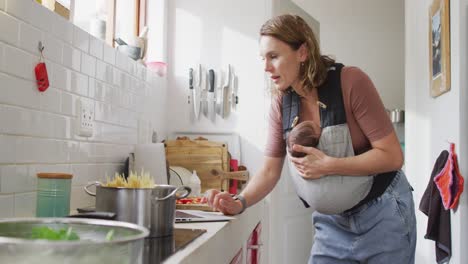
307,134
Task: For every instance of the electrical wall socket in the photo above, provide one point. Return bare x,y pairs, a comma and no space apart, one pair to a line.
85,118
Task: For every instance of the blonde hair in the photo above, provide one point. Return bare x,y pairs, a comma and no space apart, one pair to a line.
294,31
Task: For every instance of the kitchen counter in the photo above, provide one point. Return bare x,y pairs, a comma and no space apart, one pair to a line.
222,240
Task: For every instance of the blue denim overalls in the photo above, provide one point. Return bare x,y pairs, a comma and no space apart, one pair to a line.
381,230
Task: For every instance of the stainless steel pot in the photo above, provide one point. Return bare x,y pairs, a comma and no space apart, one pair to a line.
153,208
126,247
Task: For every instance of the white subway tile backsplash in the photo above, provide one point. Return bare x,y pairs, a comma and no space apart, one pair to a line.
9,28
80,199
33,123
122,61
117,77
116,97
59,76
73,149
2,58
71,57
25,204
91,87
20,8
109,54
15,178
104,72
29,38
16,91
81,174
68,104
96,47
50,100
53,48
19,63
8,149
79,84
41,130
88,65
100,92
62,29
116,134
42,17
102,112
18,119
80,39
7,206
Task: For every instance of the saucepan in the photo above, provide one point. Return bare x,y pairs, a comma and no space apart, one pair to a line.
153,208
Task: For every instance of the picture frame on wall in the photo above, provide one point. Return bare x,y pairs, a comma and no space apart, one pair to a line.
439,47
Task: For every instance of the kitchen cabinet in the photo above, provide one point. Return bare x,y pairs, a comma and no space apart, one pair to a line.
252,248
225,242
254,245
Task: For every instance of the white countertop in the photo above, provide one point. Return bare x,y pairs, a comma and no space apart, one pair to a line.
222,240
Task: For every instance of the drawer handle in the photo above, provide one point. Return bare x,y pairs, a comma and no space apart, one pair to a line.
255,246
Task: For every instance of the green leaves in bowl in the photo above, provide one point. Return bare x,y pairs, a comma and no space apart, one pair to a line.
48,233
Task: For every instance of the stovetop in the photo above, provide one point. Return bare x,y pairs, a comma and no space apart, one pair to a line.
157,250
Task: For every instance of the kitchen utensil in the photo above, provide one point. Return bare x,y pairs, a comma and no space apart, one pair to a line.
218,93
226,93
152,208
236,175
53,194
159,67
196,93
131,51
190,96
126,245
163,209
152,159
234,90
397,116
204,99
211,96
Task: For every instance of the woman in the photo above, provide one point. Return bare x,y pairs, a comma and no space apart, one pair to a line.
364,211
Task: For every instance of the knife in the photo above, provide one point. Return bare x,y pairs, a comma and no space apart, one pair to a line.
226,106
235,90
211,99
196,95
218,93
204,100
190,85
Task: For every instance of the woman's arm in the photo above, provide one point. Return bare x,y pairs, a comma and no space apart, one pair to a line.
385,155
257,188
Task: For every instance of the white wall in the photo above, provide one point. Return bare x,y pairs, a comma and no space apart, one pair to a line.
430,122
215,34
368,34
37,131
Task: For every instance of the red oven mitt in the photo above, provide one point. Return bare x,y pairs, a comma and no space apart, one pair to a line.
449,181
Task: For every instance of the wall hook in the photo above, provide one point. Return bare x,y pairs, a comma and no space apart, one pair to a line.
40,47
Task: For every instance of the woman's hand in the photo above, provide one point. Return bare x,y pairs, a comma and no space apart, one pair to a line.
314,165
222,201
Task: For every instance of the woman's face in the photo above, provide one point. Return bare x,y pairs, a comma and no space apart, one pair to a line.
281,62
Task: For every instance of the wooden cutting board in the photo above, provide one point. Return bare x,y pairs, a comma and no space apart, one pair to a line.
203,156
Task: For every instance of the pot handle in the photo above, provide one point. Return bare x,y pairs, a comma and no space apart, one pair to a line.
89,185
187,192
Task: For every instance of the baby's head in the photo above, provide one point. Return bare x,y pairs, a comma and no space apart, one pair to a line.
307,134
